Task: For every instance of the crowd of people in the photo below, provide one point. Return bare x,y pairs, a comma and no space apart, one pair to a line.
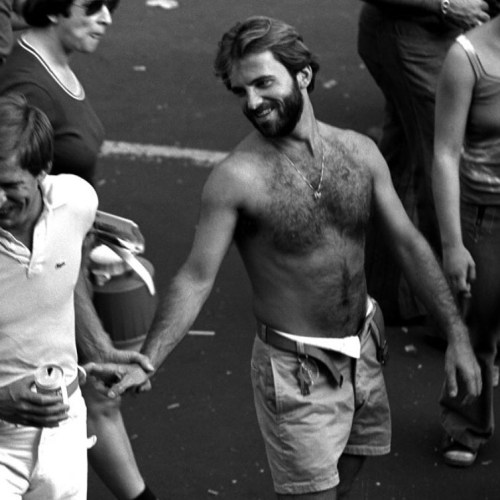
296,197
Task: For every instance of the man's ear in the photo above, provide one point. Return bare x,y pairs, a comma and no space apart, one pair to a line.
304,77
41,176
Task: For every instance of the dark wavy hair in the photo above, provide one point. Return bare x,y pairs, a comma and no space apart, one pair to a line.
260,34
36,12
25,134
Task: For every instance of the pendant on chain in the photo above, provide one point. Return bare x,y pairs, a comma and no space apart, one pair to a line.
316,191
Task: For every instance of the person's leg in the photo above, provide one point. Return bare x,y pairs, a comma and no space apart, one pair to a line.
349,467
370,434
405,58
18,445
112,457
472,425
378,50
330,494
60,471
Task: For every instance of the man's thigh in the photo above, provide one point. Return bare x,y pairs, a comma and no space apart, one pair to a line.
61,468
18,445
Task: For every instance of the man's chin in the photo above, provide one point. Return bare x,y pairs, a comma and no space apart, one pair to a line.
8,220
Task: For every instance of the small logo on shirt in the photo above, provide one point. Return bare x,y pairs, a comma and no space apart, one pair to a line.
60,264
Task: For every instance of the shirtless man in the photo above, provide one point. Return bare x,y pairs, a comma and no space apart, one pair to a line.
295,196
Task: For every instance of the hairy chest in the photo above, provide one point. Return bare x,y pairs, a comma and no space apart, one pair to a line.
292,221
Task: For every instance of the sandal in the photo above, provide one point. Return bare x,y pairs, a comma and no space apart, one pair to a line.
457,454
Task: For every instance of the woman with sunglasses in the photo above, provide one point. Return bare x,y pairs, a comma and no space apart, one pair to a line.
39,68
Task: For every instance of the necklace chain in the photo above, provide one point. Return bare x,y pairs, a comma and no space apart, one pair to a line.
316,191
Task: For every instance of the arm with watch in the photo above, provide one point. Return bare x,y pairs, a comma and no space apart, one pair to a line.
462,13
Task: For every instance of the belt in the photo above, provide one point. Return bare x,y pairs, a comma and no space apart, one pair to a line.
272,337
72,387
374,322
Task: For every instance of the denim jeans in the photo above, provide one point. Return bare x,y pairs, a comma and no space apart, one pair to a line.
404,56
473,424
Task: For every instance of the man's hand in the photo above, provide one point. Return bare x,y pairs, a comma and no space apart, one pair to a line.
121,357
114,379
467,13
461,361
20,405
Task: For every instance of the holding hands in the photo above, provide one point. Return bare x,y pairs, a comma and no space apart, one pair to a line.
113,379
119,371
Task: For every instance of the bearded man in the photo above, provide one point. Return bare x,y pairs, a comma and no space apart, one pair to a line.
295,196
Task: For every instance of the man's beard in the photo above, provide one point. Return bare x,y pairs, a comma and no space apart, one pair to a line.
289,110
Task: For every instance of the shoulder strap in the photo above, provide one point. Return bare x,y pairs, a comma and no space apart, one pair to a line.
472,56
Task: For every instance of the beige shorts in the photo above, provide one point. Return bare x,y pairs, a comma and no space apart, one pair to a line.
306,435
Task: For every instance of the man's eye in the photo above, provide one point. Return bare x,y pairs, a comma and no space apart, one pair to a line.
265,83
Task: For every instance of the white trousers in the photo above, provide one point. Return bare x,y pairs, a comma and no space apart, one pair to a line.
48,463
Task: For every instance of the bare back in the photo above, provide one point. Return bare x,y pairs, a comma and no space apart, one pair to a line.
305,258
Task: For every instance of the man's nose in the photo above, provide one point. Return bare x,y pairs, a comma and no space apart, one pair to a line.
254,100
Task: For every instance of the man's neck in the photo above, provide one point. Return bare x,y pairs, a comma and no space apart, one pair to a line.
305,136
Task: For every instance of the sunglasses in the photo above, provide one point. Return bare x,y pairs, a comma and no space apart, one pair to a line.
95,6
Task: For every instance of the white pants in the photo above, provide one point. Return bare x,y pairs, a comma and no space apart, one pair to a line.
48,463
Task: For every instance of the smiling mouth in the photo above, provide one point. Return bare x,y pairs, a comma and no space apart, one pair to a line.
263,113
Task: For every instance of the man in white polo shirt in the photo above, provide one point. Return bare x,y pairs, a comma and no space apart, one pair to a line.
43,223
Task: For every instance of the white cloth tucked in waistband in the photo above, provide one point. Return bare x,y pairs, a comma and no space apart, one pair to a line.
350,346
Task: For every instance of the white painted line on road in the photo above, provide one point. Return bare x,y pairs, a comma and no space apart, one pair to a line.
202,333
200,157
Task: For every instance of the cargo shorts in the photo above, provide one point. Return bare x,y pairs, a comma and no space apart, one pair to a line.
305,435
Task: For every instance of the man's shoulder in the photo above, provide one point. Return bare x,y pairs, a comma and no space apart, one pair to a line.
250,153
244,172
351,140
69,190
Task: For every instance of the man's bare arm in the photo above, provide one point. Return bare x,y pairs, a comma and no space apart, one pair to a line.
193,283
425,277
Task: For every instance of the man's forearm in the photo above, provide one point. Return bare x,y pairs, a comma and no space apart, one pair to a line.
176,313
91,338
427,280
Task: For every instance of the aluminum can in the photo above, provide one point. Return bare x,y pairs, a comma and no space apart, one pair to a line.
49,379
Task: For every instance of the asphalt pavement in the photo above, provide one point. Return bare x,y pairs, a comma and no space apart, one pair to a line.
195,435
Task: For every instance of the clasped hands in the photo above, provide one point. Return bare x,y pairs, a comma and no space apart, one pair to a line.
114,379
